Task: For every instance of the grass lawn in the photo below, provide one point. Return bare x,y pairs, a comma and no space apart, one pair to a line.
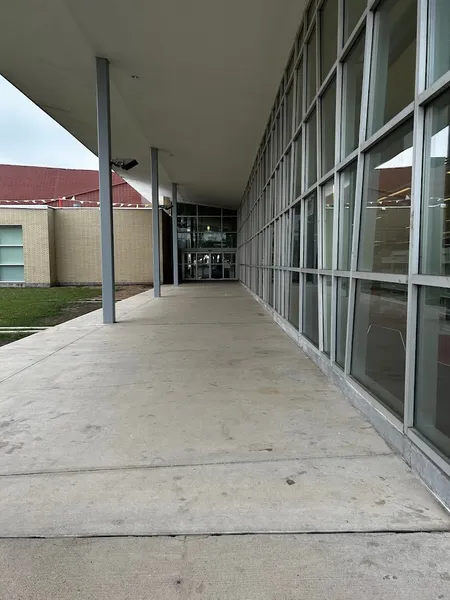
34,307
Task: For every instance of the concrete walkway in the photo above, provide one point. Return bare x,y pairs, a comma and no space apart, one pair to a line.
196,415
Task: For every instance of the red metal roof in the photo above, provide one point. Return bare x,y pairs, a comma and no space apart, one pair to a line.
46,183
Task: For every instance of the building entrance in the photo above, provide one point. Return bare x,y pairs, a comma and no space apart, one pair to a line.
209,265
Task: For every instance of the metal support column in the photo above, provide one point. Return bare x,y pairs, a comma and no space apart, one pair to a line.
106,207
175,234
155,220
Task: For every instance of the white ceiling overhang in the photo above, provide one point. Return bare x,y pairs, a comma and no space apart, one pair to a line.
195,78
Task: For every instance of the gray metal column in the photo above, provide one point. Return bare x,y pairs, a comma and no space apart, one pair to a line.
106,207
175,234
155,220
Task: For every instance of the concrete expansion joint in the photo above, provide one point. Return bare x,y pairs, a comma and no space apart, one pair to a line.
191,537
190,465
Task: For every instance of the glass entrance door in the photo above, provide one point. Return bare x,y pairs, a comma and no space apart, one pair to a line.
209,265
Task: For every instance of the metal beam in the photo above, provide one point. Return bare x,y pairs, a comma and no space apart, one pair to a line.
155,220
175,234
106,207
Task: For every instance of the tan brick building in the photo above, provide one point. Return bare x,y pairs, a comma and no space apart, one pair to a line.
62,246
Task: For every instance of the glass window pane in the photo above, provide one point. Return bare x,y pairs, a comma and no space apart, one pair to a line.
295,244
328,121
187,223
230,240
310,308
228,212
11,235
384,237
379,341
394,60
311,149
300,93
327,233
353,9
439,53
229,224
209,239
432,406
328,36
310,240
209,211
11,273
186,209
311,58
346,215
12,255
209,224
435,254
294,299
298,166
187,240
289,113
341,320
327,286
352,89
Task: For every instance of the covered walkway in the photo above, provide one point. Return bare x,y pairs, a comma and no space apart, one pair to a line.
196,415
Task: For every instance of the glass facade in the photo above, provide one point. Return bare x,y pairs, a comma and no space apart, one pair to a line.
344,226
207,242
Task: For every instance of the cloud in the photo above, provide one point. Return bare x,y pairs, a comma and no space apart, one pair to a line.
28,136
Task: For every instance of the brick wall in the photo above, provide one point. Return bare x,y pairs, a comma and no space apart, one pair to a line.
77,245
62,246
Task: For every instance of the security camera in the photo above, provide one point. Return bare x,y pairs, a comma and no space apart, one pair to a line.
126,164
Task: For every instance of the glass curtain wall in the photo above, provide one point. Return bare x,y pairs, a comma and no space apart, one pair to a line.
344,226
207,242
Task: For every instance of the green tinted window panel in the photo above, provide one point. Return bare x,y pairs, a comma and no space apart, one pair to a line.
11,235
11,255
11,273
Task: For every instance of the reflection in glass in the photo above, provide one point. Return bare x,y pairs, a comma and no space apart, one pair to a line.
328,36
229,224
185,209
439,53
379,341
310,239
298,166
327,233
341,320
328,123
289,114
209,224
352,89
203,266
294,299
210,239
311,149
384,237
432,406
299,93
353,9
310,308
435,255
327,287
230,240
392,85
295,244
346,214
311,84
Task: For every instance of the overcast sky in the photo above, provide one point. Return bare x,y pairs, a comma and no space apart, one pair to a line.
30,137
